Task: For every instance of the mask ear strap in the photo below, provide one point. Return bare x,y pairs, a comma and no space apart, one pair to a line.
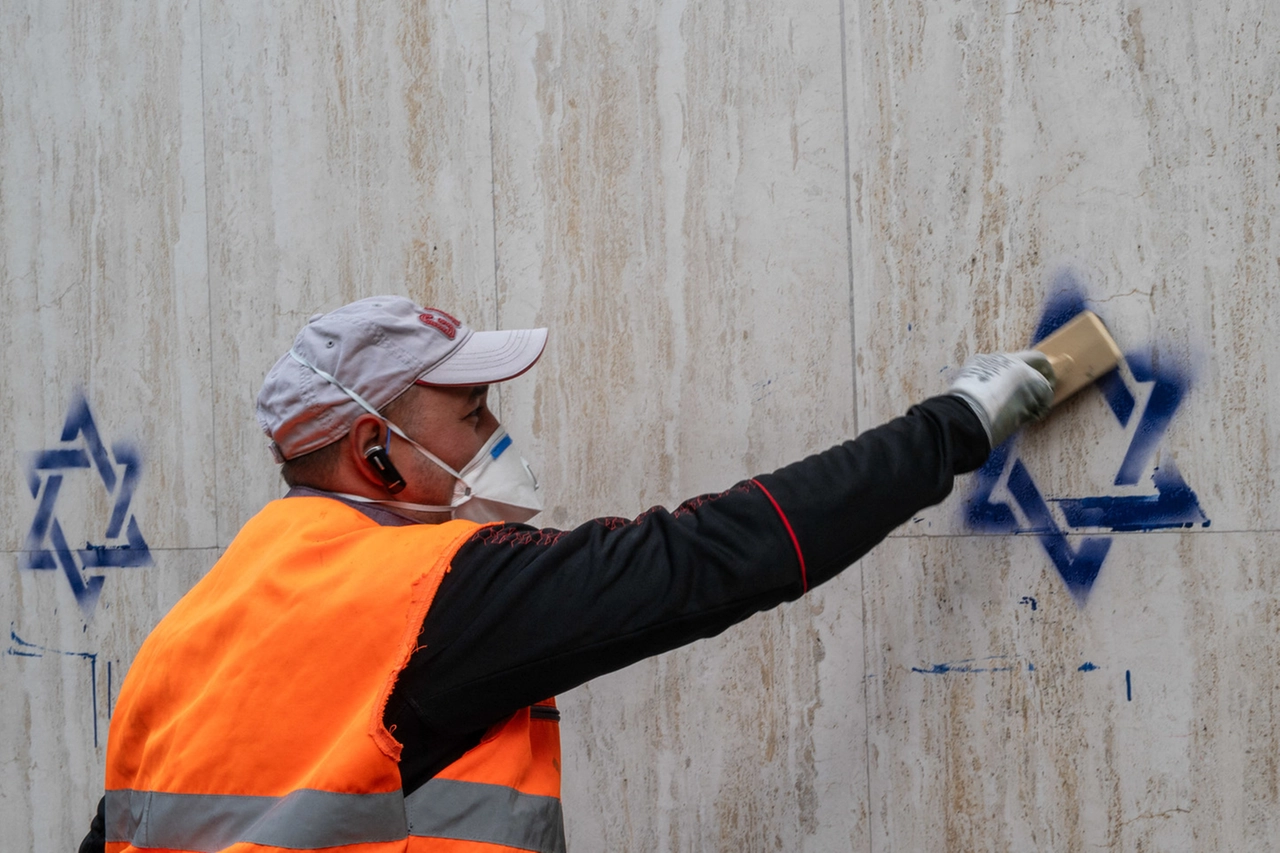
371,410
396,504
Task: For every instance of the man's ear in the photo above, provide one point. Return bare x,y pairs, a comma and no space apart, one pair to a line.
367,432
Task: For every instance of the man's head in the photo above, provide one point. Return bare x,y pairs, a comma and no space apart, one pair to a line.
381,360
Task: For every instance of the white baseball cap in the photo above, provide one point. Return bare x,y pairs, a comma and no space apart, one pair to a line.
377,348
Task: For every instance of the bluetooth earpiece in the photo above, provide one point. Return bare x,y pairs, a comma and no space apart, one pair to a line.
377,457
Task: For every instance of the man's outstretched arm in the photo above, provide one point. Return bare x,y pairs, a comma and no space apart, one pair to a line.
524,613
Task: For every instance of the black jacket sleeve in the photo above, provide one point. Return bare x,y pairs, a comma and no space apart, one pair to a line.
524,614
96,840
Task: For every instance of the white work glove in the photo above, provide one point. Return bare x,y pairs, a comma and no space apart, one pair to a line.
1006,391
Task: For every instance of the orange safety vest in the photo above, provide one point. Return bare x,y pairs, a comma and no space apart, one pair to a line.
251,718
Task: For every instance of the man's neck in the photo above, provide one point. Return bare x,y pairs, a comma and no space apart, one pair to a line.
385,516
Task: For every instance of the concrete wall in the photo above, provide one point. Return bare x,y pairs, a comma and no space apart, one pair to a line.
754,229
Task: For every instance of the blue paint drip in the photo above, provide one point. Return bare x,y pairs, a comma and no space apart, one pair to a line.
1087,667
93,679
1128,686
24,649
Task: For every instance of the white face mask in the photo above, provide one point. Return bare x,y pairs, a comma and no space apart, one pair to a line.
497,484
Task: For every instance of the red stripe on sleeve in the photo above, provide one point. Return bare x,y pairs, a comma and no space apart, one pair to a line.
804,575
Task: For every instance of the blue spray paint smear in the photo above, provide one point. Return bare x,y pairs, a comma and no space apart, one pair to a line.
118,556
19,647
1174,505
969,665
1087,667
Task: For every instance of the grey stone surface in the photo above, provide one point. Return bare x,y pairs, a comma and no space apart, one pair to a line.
753,231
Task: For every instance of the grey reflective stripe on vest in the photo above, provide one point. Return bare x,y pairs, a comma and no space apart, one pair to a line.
307,819
303,820
473,811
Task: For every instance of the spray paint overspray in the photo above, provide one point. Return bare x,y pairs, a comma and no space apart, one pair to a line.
1029,510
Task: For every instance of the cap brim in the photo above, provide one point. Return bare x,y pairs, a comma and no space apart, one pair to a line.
487,357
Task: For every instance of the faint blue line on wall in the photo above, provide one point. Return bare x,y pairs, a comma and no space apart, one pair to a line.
19,647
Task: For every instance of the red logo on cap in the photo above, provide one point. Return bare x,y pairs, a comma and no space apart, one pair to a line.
441,322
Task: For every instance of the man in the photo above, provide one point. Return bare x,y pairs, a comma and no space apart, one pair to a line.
370,662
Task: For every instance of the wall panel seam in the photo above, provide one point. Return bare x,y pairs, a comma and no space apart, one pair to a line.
853,375
493,183
208,276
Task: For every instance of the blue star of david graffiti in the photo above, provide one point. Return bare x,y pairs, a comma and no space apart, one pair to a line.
46,546
1173,505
